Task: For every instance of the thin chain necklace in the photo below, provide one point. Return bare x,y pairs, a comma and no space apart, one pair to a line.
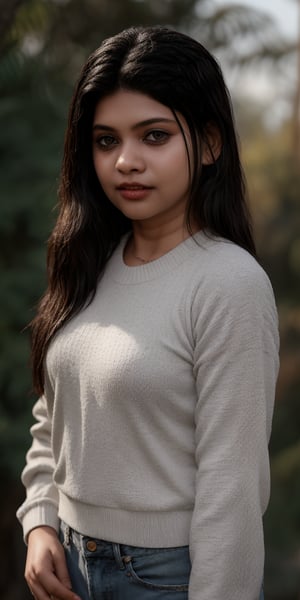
155,256
144,260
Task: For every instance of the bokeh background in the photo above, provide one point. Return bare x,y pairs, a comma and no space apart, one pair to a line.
43,44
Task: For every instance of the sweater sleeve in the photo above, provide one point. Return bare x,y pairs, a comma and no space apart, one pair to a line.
41,504
235,368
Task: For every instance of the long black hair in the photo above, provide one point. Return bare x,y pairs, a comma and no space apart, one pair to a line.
180,73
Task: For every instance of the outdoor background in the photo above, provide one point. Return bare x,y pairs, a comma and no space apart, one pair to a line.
43,44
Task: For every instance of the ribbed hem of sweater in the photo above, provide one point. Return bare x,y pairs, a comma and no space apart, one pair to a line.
154,529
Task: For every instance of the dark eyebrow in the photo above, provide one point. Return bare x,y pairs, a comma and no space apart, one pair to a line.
137,125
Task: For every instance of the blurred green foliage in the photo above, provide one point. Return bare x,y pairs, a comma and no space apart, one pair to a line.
43,45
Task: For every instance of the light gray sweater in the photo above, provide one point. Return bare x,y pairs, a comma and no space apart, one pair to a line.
154,427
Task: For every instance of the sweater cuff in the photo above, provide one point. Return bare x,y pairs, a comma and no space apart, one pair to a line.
40,515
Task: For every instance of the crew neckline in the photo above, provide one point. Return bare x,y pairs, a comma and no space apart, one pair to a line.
119,271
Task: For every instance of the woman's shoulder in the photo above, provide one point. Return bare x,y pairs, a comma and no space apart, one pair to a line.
231,289
225,267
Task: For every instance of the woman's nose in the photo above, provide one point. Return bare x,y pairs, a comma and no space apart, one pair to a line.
130,159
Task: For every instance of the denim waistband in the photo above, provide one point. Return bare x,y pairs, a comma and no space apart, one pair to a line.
92,546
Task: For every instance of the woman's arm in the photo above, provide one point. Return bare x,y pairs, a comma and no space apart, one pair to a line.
46,571
236,365
41,504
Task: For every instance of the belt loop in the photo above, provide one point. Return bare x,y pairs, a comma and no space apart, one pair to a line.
67,535
117,555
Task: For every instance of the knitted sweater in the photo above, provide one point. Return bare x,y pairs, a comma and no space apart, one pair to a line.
154,427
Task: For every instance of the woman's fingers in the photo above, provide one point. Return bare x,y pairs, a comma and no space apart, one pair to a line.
51,584
38,592
46,585
46,570
60,567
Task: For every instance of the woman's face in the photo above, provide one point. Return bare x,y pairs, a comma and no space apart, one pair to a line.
140,157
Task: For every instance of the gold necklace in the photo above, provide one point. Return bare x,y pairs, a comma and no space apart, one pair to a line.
144,260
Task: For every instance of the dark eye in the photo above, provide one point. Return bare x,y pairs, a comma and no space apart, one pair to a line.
156,136
105,141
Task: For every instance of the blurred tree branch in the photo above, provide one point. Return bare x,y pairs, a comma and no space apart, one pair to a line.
242,35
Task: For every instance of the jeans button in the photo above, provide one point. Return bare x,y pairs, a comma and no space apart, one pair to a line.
126,559
91,545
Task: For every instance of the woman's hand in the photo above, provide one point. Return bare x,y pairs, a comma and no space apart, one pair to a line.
46,570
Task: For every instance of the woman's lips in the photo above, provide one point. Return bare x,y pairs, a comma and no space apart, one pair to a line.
134,192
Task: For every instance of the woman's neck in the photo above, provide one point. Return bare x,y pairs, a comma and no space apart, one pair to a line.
148,244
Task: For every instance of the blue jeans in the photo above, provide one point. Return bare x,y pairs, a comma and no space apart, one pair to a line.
101,570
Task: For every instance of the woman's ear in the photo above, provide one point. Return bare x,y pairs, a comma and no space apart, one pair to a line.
212,144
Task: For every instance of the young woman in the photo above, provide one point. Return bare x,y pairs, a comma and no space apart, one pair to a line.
155,347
